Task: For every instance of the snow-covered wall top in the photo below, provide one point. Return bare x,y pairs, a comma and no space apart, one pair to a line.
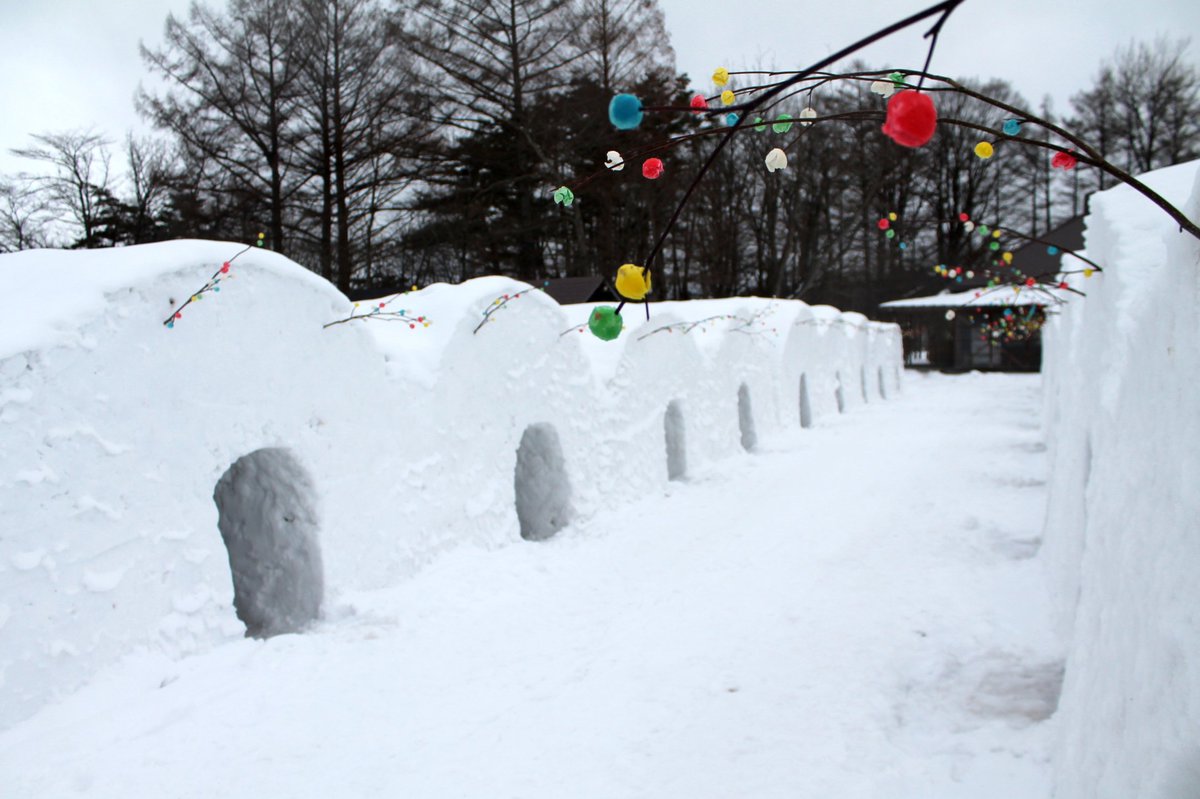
1123,525
173,488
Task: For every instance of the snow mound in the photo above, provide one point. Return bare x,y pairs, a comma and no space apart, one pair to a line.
1123,419
169,489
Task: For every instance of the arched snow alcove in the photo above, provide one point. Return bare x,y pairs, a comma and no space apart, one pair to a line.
805,406
882,387
268,521
676,442
839,393
862,381
746,420
543,492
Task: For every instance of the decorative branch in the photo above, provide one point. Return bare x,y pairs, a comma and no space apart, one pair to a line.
221,274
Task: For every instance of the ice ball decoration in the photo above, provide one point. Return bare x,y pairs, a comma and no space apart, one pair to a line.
776,159
625,112
911,119
605,323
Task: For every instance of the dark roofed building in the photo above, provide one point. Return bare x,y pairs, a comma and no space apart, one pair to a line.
982,328
574,290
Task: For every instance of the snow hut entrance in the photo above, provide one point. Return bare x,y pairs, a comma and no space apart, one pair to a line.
805,406
676,442
746,420
542,489
269,524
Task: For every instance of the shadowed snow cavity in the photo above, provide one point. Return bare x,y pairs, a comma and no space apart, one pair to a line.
882,387
746,419
862,381
542,489
806,419
839,393
269,523
676,442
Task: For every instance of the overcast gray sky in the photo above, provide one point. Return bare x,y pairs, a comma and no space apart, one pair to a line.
74,63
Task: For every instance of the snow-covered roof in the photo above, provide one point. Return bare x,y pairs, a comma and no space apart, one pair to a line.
1004,296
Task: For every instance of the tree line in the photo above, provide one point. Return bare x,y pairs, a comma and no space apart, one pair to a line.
383,144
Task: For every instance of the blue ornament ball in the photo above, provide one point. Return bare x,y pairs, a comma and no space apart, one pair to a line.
1012,127
731,120
1052,250
625,112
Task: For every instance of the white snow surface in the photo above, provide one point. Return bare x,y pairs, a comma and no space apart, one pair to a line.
853,610
1123,524
371,448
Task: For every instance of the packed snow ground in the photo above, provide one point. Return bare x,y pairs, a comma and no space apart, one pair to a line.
855,610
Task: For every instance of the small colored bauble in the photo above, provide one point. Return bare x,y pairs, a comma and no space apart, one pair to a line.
984,149
807,114
605,323
652,168
721,76
782,124
776,159
727,97
884,88
1012,127
1052,250
1064,161
731,119
633,282
699,103
625,112
564,196
911,119
884,224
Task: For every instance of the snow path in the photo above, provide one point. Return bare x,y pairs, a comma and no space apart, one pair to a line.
853,611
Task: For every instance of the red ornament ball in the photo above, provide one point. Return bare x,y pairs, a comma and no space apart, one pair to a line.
699,103
884,224
964,217
652,168
911,119
1030,282
1064,161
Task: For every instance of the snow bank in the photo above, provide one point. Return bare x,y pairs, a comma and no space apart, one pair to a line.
170,489
1123,525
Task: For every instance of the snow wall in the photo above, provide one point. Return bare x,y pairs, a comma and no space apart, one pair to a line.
171,489
1123,524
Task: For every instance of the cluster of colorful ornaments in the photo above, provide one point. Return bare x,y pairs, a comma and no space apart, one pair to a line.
911,121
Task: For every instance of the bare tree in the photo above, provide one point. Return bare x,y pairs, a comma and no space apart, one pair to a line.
75,189
235,98
24,216
621,41
1143,110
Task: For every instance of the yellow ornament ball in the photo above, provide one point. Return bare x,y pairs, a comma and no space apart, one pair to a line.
633,282
1008,257
984,149
727,97
721,76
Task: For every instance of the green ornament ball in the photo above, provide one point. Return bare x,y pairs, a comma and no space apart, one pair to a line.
605,323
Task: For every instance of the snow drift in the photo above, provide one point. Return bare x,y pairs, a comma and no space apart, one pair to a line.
170,489
1123,526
